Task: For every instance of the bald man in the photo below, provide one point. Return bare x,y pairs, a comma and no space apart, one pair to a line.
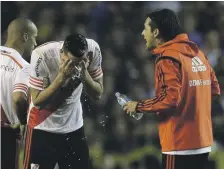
14,70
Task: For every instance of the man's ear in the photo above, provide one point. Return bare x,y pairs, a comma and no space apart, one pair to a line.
25,37
156,33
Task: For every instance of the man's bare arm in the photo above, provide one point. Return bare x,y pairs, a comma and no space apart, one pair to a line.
42,97
20,105
94,88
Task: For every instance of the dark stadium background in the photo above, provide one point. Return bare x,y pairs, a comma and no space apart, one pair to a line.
117,141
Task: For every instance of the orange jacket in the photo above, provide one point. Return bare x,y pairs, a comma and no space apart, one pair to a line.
184,84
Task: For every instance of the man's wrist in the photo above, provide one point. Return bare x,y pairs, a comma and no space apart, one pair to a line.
84,74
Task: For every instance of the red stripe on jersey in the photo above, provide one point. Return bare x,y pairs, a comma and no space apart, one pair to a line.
37,116
36,85
36,79
98,74
20,84
23,86
11,57
27,148
20,88
94,71
36,82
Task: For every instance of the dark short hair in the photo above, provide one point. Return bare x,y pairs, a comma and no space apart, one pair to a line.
76,44
167,22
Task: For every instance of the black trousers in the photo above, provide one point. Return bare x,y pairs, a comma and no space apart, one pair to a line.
198,161
44,150
8,147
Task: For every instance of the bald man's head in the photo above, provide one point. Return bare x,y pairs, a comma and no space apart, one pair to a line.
20,25
23,32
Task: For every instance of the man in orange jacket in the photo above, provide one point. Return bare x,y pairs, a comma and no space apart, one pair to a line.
185,84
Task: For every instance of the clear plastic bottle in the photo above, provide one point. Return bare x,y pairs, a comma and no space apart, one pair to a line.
122,99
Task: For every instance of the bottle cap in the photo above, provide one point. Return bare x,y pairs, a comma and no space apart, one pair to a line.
117,94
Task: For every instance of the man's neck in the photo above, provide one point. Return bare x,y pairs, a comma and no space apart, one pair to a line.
14,45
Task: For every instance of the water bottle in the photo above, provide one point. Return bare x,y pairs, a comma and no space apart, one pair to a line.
122,99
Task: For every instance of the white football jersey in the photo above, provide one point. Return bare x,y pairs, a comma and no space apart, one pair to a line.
65,114
14,78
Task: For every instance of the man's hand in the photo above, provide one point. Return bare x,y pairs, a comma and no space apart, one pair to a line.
13,126
130,107
66,69
42,98
84,64
18,128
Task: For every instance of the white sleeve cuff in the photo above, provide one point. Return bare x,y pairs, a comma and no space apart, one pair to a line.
36,83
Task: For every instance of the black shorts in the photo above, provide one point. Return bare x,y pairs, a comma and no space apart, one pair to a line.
45,149
9,147
198,161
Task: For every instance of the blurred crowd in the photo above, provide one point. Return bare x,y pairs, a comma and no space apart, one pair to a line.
128,67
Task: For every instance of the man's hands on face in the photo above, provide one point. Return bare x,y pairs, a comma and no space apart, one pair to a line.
68,68
65,69
84,64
